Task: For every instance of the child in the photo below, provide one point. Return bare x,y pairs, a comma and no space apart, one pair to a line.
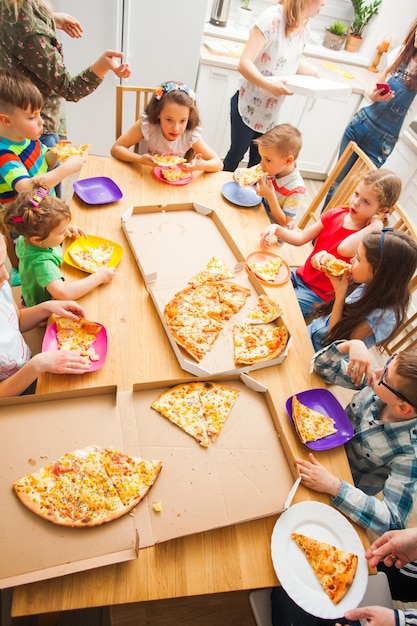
383,451
170,124
22,156
273,52
284,189
384,265
17,370
42,222
339,232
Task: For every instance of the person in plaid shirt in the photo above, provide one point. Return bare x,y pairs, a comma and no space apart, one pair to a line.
383,451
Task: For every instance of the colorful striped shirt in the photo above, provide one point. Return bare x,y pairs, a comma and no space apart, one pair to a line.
19,160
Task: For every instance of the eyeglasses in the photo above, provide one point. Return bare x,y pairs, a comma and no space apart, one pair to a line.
384,384
384,231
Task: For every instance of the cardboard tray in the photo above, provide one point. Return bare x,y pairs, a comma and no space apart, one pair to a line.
243,475
313,87
171,244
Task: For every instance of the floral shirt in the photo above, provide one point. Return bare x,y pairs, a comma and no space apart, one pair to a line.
280,56
29,45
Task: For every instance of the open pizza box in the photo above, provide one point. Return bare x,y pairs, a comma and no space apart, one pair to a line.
245,474
173,243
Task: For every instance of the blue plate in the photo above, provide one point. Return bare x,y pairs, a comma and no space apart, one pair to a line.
242,196
97,190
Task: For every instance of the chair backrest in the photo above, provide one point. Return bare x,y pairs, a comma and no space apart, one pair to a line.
137,98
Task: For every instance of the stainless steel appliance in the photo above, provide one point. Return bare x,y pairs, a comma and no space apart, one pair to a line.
220,12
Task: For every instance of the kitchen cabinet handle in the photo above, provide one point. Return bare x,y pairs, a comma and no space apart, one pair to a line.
223,75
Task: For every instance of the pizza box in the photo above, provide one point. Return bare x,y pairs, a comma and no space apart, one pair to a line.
314,87
171,244
199,488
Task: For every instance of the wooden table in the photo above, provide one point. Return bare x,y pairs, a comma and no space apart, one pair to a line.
227,559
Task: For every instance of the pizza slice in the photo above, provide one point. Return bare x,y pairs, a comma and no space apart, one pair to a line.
265,311
168,160
266,270
77,336
215,269
257,343
250,176
336,266
217,401
206,298
174,175
91,258
66,149
196,339
182,406
232,296
310,424
335,569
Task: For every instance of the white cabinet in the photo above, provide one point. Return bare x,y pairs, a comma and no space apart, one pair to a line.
403,161
215,87
322,123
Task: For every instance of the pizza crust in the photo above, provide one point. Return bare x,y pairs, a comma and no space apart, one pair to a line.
336,267
310,424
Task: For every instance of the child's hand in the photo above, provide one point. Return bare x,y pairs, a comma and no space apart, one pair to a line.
106,274
320,258
196,164
73,164
315,476
65,308
76,231
359,362
238,173
264,188
60,362
267,235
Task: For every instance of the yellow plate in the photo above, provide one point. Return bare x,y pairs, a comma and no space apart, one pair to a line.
91,241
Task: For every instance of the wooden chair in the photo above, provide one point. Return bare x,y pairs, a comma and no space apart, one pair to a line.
129,96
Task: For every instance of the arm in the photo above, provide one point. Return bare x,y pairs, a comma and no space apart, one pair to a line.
354,372
265,189
307,69
378,616
69,24
296,237
54,176
29,317
121,148
249,70
348,247
401,543
62,290
206,159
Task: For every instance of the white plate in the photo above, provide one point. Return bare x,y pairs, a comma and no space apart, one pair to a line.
322,522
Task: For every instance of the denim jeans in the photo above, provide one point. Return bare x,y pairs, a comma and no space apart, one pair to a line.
241,137
50,140
306,297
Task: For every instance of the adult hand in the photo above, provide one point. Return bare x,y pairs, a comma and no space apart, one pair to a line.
65,308
107,62
374,615
397,547
69,24
279,88
267,235
315,476
376,95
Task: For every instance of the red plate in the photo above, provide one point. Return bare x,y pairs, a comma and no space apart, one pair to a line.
283,274
181,181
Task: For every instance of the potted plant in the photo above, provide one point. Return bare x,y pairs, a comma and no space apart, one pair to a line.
335,35
244,14
363,13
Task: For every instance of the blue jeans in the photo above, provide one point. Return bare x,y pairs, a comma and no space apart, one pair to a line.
306,297
376,144
50,140
241,137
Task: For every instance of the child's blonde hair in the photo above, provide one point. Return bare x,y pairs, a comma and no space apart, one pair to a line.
173,91
32,218
283,138
386,185
294,11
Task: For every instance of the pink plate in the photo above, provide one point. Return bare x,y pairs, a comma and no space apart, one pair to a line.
181,181
100,345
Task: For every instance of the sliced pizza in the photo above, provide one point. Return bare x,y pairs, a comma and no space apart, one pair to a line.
174,175
199,408
87,487
267,269
310,424
168,160
250,176
215,269
233,296
77,336
254,344
334,568
91,258
66,149
265,311
336,266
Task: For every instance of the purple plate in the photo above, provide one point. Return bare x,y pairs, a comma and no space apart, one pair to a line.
97,190
323,401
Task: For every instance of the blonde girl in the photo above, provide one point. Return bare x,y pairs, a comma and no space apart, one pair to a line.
42,223
273,52
171,126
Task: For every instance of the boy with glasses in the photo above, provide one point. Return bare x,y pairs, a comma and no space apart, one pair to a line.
383,451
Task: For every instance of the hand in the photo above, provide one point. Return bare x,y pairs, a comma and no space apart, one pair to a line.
397,547
376,95
106,274
320,258
107,62
76,231
196,164
68,24
279,88
73,164
238,173
374,615
60,362
359,362
268,234
264,188
315,476
65,308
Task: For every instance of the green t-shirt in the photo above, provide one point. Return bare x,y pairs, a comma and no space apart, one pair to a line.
37,268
